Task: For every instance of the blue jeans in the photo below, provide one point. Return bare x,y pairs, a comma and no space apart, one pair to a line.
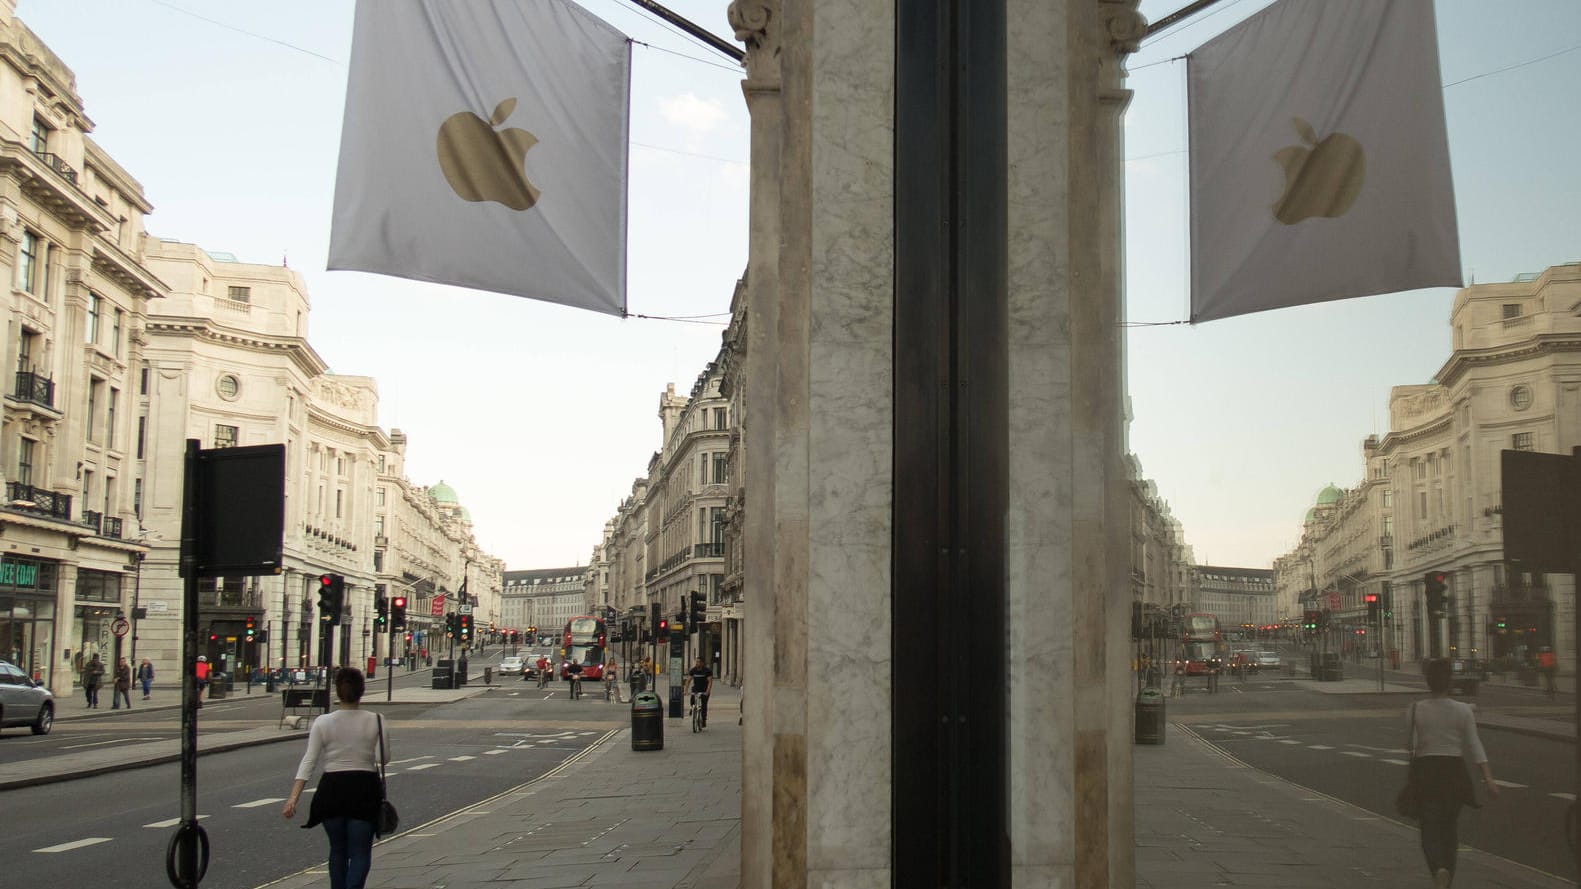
350,852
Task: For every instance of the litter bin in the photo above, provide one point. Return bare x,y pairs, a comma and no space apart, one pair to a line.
461,672
647,722
1150,716
442,674
1333,669
488,675
219,685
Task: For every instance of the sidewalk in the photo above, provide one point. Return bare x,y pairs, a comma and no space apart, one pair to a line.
611,816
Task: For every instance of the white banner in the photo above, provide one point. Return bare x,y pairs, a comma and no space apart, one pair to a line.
485,146
1319,159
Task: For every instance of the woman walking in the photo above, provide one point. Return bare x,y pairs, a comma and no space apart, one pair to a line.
145,675
1443,739
346,746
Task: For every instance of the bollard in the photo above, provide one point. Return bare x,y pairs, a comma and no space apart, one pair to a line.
488,675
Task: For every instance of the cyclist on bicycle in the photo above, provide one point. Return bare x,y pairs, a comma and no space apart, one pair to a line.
702,684
573,671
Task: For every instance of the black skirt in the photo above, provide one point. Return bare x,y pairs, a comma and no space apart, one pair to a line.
1442,782
346,795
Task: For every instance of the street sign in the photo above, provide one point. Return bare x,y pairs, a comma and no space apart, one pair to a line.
438,607
1333,601
465,609
120,627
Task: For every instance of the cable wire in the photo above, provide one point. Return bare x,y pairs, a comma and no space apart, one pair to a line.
304,50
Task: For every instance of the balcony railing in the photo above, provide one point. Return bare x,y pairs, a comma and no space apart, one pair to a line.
62,168
110,527
38,500
35,388
709,550
92,519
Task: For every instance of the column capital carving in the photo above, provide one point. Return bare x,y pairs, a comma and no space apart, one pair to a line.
1125,24
756,24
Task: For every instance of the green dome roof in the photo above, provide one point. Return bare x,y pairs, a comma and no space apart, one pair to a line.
1329,496
466,513
1311,514
443,493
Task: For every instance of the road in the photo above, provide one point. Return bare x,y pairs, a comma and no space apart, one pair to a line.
1352,747
116,826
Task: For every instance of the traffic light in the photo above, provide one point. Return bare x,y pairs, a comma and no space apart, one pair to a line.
464,622
1436,585
331,598
398,611
451,630
1309,620
381,613
699,609
1386,601
408,638
664,629
1372,607
252,627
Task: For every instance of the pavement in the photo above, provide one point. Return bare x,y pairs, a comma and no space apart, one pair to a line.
670,819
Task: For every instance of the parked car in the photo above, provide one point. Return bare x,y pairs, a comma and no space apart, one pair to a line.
511,665
24,702
1268,660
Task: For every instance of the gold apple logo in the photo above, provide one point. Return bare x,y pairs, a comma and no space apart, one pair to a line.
485,164
1321,178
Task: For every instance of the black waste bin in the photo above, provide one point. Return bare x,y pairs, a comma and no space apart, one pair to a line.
1150,716
442,671
461,673
219,686
488,675
647,722
1333,668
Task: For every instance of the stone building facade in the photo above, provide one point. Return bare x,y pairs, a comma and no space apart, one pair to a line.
71,249
1431,498
546,598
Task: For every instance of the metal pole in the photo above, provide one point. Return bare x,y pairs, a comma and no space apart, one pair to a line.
187,848
137,589
694,29
1170,20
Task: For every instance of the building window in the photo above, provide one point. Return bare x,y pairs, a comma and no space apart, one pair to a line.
137,499
340,503
38,138
24,461
95,306
225,436
378,497
1388,497
95,395
240,294
1521,397
142,435
109,417
721,418
115,331
1522,441
1512,311
24,350
27,262
228,386
98,586
1421,505
142,380
721,469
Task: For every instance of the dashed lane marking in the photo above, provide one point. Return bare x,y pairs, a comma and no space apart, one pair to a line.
462,758
259,802
496,751
1398,762
426,765
170,822
1357,754
1319,747
401,762
1569,796
1288,741
1509,784
111,741
74,844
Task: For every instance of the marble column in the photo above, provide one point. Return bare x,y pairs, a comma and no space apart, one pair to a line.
819,442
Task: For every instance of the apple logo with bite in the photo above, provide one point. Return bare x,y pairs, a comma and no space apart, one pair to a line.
1322,178
483,163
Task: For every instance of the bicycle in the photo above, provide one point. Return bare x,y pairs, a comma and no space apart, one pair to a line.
576,686
698,723
609,688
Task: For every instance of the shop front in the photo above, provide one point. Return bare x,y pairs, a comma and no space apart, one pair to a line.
98,604
27,615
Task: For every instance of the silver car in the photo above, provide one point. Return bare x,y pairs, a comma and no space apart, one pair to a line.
510,665
24,702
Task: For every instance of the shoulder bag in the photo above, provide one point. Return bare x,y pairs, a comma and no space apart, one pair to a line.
1408,802
389,820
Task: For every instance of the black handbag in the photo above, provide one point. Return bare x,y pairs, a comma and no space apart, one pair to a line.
1408,802
389,820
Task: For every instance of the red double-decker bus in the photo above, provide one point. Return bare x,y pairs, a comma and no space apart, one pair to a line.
584,641
1201,644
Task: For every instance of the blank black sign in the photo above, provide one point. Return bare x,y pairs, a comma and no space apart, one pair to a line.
241,510
1540,514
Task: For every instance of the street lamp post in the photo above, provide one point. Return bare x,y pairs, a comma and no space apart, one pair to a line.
137,589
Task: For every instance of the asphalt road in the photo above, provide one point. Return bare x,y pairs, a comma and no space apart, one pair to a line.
114,828
1352,747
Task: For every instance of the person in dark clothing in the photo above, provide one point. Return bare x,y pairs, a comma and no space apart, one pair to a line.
1442,739
145,675
123,685
346,746
702,684
92,678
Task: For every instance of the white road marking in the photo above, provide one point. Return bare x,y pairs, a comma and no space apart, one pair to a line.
74,844
1569,796
170,822
1354,753
1288,741
259,802
102,743
1509,784
1398,762
1319,747
497,751
462,758
426,765
397,762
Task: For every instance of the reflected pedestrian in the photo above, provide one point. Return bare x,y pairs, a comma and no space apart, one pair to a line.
123,685
145,675
1548,665
347,745
1442,739
92,676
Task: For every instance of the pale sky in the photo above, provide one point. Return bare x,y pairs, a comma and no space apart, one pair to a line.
541,416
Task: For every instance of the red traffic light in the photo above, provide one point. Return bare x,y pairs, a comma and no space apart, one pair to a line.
1370,597
324,580
400,601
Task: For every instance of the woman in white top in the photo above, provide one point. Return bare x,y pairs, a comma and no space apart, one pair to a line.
1442,740
344,745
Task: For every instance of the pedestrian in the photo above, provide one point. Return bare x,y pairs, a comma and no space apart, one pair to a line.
1442,739
123,685
1548,665
145,675
200,673
92,676
348,746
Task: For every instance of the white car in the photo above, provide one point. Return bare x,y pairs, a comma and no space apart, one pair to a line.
1268,659
511,665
